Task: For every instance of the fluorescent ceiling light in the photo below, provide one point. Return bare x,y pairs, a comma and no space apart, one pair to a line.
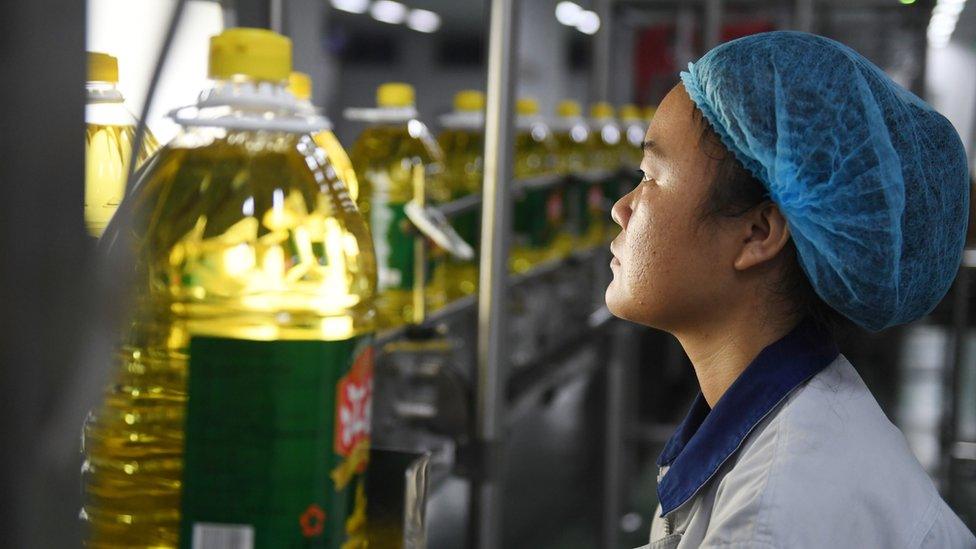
568,13
589,22
388,11
352,6
424,21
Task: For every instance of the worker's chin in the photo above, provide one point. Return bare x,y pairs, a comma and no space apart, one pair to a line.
619,304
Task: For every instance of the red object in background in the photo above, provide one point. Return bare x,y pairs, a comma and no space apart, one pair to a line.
738,30
655,72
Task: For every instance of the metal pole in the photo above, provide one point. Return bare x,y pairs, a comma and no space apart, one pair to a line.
713,23
600,87
492,364
803,15
952,381
684,30
276,15
615,347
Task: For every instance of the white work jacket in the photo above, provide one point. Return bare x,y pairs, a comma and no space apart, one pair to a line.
797,454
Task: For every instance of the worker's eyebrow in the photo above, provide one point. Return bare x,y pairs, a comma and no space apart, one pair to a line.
651,148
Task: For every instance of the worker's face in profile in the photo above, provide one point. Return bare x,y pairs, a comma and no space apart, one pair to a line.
670,268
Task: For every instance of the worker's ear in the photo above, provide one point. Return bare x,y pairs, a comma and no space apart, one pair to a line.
764,235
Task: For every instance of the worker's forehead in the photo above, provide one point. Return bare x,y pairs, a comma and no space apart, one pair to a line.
674,127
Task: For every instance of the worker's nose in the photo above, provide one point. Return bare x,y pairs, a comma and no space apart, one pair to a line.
621,210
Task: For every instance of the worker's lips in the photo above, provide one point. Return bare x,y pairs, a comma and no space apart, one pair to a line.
615,262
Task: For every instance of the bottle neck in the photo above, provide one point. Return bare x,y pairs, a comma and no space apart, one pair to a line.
103,92
241,93
242,103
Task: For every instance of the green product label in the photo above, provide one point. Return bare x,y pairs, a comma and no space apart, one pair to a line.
611,190
277,441
617,187
466,226
393,239
590,203
573,209
538,217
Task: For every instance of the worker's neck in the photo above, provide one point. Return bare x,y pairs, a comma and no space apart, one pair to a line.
720,349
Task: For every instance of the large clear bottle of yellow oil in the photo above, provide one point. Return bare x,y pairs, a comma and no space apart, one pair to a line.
463,143
397,159
110,130
538,215
239,412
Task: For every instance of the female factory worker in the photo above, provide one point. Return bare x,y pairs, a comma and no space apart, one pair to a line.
787,182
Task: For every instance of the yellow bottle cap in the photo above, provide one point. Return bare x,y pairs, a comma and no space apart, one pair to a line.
469,100
255,53
102,67
395,94
601,109
300,85
648,112
568,108
527,106
630,112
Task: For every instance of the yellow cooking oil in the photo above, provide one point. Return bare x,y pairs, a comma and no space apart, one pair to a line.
300,85
604,148
463,143
572,135
239,407
647,113
109,132
397,159
632,136
538,215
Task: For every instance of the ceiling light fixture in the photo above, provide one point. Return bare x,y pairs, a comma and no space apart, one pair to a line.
388,11
568,13
351,6
423,21
589,22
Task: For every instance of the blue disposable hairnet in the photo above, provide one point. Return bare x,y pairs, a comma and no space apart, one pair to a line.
872,180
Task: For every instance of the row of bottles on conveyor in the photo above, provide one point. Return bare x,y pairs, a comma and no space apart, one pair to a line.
550,221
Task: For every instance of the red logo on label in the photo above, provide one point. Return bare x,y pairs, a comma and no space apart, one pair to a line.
312,521
354,396
594,197
554,207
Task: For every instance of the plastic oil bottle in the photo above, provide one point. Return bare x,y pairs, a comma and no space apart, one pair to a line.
239,412
648,113
574,162
463,143
539,210
397,159
633,130
110,130
300,85
606,149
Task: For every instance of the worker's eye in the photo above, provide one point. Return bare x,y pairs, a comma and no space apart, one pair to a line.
643,176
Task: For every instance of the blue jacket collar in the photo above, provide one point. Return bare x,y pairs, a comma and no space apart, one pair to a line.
707,438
